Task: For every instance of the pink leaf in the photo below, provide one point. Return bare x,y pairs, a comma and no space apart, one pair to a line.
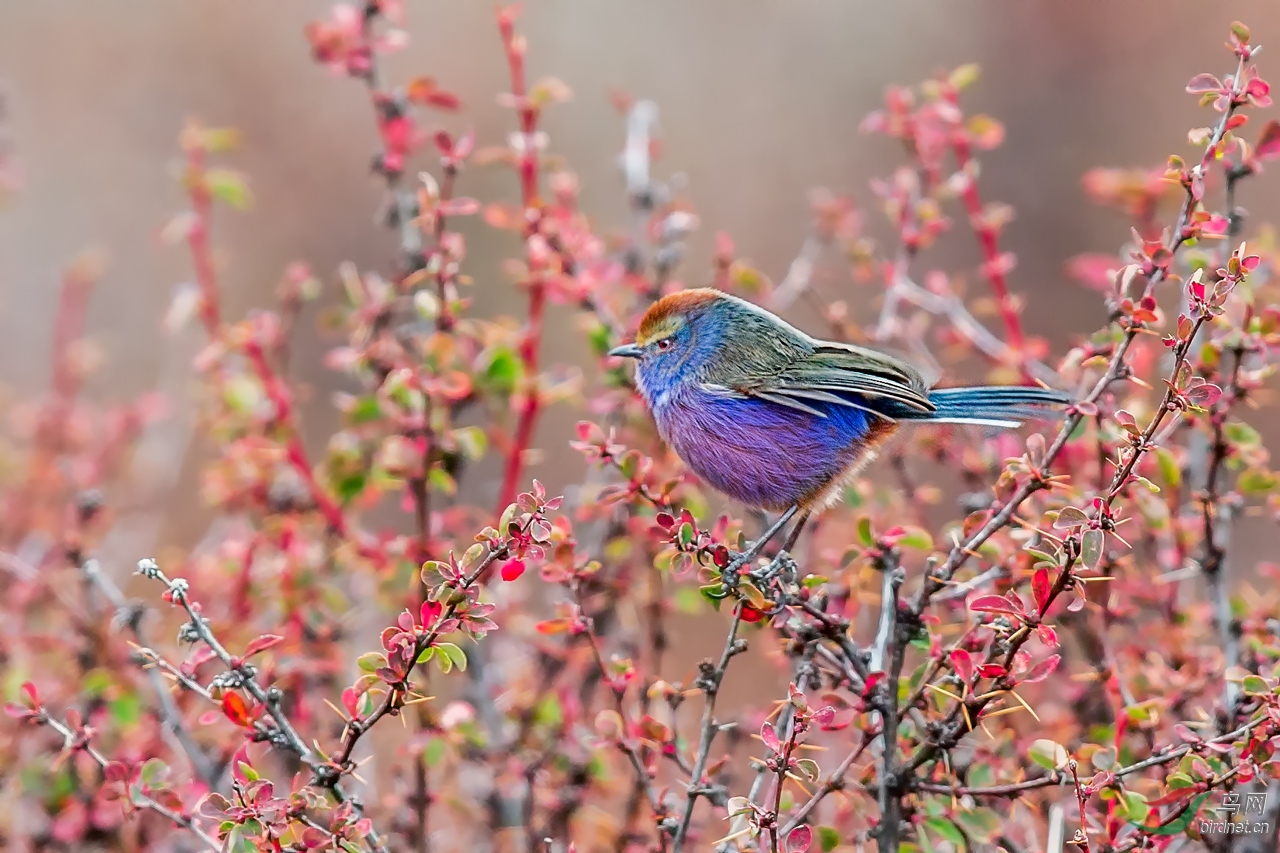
1186,734
1095,271
1202,83
963,665
1042,670
261,644
1047,635
799,839
770,737
1268,145
462,206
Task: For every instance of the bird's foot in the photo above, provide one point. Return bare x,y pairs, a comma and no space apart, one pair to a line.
781,565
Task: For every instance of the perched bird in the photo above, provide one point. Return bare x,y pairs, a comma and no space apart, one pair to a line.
779,420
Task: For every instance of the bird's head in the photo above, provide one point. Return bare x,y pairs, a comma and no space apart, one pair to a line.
706,336
678,337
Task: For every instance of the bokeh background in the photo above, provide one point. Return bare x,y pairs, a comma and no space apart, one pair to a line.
760,102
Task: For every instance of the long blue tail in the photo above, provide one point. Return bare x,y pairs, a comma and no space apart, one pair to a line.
994,405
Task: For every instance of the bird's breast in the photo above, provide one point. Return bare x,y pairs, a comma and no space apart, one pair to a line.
760,453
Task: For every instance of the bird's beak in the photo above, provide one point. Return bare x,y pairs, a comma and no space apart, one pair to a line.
626,351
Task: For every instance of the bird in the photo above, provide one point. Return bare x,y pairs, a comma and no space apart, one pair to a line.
779,420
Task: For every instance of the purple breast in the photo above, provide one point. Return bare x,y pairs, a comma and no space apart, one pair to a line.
760,453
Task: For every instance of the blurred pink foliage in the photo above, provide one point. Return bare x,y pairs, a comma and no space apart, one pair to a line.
1071,657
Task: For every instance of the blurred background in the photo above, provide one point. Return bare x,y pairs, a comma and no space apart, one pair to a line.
760,102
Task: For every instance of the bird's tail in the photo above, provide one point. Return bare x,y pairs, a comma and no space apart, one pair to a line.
994,405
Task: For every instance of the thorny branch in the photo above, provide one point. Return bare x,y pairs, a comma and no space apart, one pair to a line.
79,742
286,736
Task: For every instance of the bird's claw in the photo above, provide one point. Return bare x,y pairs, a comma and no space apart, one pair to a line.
782,564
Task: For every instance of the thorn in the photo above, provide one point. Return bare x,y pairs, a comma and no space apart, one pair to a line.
1030,710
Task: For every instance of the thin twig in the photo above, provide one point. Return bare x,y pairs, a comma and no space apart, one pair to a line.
79,743
130,615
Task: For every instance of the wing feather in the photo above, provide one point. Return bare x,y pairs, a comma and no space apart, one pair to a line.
838,374
839,369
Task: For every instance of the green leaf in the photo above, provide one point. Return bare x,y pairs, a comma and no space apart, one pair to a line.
1255,685
1048,754
153,773
917,538
433,752
714,593
1257,482
965,76
349,487
982,824
365,410
371,661
687,600
1241,434
1091,547
426,654
1169,469
442,480
946,830
456,655
601,339
125,709
864,531
809,768
472,441
1070,516
1135,807
548,712
502,369
242,394
981,775
229,186
828,838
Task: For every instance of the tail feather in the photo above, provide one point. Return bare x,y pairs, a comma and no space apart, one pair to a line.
996,405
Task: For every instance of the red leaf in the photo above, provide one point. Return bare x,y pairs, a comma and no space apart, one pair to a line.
992,604
1047,635
1040,588
770,737
233,705
799,839
1174,796
28,689
424,91
512,569
1042,670
1268,145
963,665
261,644
991,670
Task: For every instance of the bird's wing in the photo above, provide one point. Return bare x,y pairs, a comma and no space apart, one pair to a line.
832,371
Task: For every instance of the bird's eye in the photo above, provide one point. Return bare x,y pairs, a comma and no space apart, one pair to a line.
665,344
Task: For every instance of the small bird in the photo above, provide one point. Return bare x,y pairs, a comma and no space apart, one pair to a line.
779,420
